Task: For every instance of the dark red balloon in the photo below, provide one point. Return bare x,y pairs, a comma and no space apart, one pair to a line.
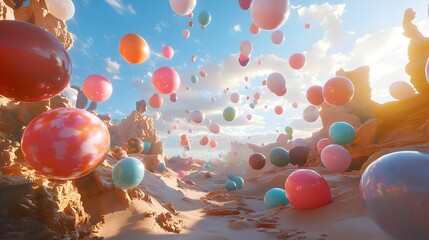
315,95
173,97
257,161
298,155
245,4
243,60
135,145
34,66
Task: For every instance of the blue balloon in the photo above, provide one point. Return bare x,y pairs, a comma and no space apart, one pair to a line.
208,166
274,197
230,186
279,157
128,173
204,18
147,146
230,176
161,167
239,181
341,133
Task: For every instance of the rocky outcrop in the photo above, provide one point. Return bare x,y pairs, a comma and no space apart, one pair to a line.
6,10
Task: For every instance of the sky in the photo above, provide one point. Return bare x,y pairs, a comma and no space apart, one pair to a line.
343,34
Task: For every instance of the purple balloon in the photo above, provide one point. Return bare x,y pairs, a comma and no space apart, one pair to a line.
244,62
394,190
298,155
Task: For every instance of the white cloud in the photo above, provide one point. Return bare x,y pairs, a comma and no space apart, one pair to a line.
160,26
120,7
113,68
237,28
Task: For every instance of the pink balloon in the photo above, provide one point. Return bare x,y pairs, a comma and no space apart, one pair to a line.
173,97
307,25
167,52
97,88
323,143
156,101
297,61
203,73
336,158
269,14
245,4
166,80
246,78
276,83
214,128
257,96
254,29
246,48
197,116
193,58
213,143
181,174
183,7
277,37
191,15
249,116
282,93
259,62
235,97
306,189
311,113
295,105
186,33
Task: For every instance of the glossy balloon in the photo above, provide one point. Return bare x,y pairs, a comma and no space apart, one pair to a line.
338,91
135,145
315,95
243,60
341,133
246,48
213,143
269,14
239,181
65,143
298,155
173,97
299,142
128,173
147,147
394,191
275,197
279,157
34,66
297,61
257,161
61,9
245,4
336,158
167,52
205,140
183,7
156,101
197,116
278,110
97,88
204,18
134,48
229,114
230,186
306,189
166,80
194,79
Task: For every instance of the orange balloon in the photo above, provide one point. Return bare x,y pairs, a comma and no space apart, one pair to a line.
134,49
278,110
156,101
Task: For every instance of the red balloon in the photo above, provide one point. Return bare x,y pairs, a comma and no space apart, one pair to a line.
315,95
97,88
307,25
297,61
191,24
166,80
282,93
338,91
243,60
298,155
183,137
245,4
254,29
264,82
213,143
65,143
278,110
156,101
173,97
257,161
34,66
205,140
306,189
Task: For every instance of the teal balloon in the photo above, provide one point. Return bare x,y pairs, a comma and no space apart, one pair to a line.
252,106
147,147
204,18
229,114
341,133
279,157
194,79
128,173
208,166
230,186
289,130
274,197
239,181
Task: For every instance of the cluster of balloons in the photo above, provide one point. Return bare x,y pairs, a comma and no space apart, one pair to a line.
246,49
234,182
184,142
128,173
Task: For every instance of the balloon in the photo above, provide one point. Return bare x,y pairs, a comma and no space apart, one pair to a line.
135,145
230,186
191,15
97,88
307,25
183,7
193,58
156,101
61,9
134,49
282,93
204,18
297,61
34,66
341,133
278,110
336,158
246,48
311,113
161,167
205,140
235,97
249,117
243,60
183,137
277,37
190,24
257,161
245,4
167,52
323,143
128,173
298,155
181,174
207,166
229,114
269,14
65,143
295,105
338,91
166,80
155,115
275,197
279,157
173,97
299,142
213,99
186,33
213,143
394,191
401,90
197,116
264,82
257,96
289,131
254,30
147,147
306,189
315,95
194,79
203,73
276,83
252,106
239,181
214,128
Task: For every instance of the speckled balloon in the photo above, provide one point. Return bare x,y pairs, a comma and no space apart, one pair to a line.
65,143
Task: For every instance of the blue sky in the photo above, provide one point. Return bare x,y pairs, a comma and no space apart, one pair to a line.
342,34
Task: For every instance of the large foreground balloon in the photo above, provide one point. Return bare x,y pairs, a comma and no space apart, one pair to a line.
269,14
34,65
134,49
97,88
65,143
204,18
257,161
229,114
61,9
183,7
306,189
341,133
336,158
275,197
128,173
166,80
338,91
394,191
297,61
279,157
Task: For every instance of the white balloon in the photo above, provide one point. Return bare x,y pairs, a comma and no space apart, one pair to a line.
61,9
155,115
277,37
186,33
183,7
311,113
401,90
